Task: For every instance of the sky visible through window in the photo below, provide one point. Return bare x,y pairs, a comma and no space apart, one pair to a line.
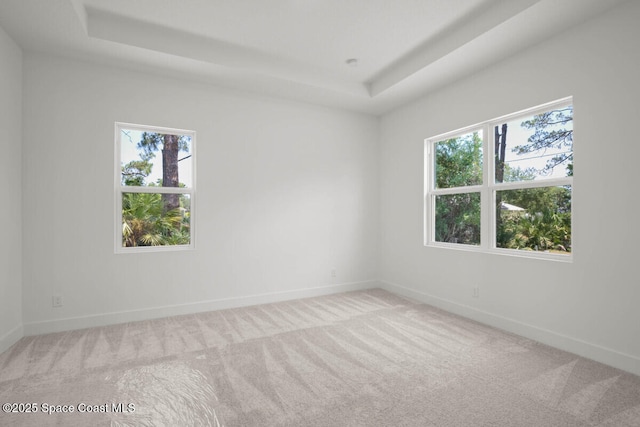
517,135
129,151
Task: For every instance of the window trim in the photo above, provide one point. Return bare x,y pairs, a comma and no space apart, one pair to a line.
120,189
488,188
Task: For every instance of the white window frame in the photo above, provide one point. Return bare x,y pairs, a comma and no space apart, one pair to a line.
488,188
120,189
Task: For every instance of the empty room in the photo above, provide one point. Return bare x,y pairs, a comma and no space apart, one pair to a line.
319,213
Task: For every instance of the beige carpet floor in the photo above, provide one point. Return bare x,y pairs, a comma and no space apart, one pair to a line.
366,358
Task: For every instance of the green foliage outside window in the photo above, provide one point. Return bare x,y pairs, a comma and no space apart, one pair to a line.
458,164
543,225
145,222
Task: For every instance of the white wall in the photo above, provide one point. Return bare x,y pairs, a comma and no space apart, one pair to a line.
286,193
11,206
591,305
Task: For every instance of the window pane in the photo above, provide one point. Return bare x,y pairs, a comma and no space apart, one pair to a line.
534,219
535,147
458,218
154,219
459,161
155,159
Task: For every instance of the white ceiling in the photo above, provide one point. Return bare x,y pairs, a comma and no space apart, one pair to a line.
298,49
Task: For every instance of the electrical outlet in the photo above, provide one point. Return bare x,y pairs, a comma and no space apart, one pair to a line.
57,301
333,273
476,292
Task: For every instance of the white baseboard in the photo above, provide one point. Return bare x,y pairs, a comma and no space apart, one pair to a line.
68,324
595,352
11,337
610,357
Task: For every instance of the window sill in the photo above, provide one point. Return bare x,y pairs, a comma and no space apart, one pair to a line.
547,256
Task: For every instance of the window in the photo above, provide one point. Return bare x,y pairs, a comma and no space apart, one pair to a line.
504,185
155,188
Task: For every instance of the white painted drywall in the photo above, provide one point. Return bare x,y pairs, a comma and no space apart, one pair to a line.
591,305
286,192
11,205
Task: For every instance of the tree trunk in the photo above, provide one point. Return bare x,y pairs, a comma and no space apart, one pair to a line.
500,151
170,177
